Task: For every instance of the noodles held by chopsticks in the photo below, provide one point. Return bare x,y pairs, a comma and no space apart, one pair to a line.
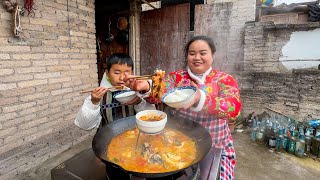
158,84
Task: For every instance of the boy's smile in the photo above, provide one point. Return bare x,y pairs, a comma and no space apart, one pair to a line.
117,73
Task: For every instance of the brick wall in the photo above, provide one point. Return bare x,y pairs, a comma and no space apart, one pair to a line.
40,79
266,83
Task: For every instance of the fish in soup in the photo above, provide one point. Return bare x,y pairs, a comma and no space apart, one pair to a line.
159,153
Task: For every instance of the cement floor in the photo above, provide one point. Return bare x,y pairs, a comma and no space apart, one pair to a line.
254,162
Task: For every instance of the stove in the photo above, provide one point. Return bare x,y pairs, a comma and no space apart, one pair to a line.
191,173
86,166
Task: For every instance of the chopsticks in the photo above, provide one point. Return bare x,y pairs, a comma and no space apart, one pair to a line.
111,88
82,92
143,77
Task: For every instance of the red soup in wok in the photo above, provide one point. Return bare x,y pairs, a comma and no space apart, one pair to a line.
166,152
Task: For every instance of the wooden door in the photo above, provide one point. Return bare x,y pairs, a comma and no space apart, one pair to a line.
163,34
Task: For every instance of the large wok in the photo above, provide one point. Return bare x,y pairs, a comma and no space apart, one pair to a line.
194,130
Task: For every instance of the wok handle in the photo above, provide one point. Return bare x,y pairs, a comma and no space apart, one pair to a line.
210,165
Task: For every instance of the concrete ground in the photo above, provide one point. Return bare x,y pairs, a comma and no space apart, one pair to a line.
254,161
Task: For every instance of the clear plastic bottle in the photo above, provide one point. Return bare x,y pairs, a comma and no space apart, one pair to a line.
286,137
268,132
279,139
260,133
253,134
272,138
285,140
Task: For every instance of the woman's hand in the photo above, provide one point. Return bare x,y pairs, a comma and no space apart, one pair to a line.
97,94
136,85
196,98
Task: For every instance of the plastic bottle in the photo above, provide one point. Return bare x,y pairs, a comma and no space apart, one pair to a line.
272,139
315,144
300,146
292,141
286,133
279,139
268,132
285,140
308,137
260,133
253,134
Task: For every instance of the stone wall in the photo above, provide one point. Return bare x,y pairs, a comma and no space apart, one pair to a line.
267,83
40,79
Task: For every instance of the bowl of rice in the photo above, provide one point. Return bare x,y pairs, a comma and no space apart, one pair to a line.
125,96
179,97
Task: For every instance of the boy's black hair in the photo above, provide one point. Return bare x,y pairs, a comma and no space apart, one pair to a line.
204,38
119,58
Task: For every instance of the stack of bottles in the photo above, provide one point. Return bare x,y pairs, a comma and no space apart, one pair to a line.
300,139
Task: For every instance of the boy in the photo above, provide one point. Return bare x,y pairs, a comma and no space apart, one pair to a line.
119,65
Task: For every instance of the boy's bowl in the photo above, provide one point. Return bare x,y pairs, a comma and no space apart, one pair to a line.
179,97
151,121
125,96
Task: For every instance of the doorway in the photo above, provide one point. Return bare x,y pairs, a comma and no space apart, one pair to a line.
112,30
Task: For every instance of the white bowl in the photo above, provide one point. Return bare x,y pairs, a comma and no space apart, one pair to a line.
151,127
125,96
179,97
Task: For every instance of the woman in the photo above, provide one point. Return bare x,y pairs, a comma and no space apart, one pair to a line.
217,98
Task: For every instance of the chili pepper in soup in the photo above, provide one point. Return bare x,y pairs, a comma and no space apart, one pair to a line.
159,153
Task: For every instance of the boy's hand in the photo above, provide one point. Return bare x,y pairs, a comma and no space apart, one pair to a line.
97,94
136,85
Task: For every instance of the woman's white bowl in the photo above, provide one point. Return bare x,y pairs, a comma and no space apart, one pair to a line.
179,97
151,127
125,96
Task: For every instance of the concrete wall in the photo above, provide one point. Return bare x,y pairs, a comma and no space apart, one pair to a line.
302,50
40,79
224,21
266,82
262,58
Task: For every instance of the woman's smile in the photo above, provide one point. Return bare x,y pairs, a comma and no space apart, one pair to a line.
197,64
200,57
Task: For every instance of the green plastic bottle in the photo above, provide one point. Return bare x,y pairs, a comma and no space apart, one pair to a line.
300,146
308,137
292,141
315,144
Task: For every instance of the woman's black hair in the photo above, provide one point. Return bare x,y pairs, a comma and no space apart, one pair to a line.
203,38
119,58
